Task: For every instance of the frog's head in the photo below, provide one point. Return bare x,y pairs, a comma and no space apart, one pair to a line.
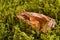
22,15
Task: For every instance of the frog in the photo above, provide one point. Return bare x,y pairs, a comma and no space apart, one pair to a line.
37,21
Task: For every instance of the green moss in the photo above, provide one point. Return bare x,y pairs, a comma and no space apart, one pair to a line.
12,28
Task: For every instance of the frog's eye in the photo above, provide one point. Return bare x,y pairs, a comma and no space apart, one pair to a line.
26,17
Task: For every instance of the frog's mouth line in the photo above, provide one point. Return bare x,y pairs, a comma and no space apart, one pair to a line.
22,16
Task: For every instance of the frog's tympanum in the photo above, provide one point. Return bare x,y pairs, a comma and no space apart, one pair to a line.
37,21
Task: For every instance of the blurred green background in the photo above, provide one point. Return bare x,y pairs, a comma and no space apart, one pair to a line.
13,29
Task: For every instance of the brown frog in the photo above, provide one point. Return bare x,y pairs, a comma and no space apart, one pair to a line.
37,20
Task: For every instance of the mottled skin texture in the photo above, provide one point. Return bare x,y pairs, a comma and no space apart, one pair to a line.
36,20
